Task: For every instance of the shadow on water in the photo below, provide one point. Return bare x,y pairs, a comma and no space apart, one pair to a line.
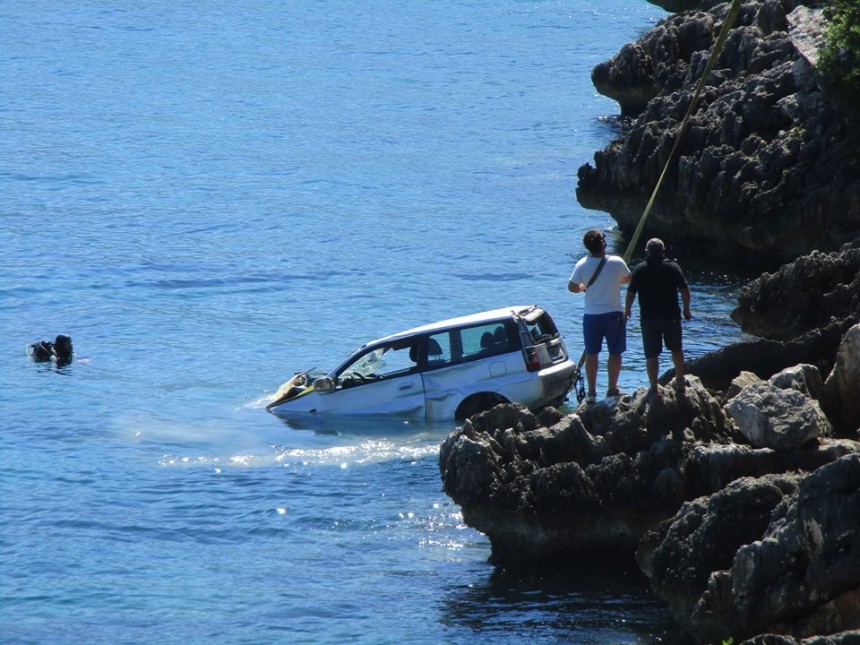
366,425
600,601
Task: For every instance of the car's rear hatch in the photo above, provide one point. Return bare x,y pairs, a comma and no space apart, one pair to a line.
543,345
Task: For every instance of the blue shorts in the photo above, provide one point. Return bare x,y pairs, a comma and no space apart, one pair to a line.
611,326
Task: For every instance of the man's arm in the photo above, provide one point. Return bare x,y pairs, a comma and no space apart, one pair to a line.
628,304
685,299
575,287
626,270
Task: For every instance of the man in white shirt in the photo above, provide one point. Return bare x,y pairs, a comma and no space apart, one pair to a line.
604,313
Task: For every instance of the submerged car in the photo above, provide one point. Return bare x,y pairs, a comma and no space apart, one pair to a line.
450,369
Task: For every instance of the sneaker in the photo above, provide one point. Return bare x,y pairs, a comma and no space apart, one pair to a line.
591,398
614,392
654,394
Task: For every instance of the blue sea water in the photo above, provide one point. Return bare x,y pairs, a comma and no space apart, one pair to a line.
208,197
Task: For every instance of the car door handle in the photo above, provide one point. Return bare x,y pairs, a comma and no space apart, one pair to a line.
407,386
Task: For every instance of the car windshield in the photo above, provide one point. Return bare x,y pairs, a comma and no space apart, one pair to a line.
383,361
367,364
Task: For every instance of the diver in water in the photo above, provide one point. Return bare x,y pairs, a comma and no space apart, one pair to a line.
60,351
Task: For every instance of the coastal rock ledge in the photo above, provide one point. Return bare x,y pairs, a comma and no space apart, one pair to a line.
738,539
738,495
768,168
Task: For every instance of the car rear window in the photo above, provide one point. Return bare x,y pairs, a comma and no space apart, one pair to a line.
542,328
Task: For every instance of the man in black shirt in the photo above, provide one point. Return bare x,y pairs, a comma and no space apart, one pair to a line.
658,282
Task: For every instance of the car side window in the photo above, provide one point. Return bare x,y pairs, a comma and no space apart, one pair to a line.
396,361
439,350
485,340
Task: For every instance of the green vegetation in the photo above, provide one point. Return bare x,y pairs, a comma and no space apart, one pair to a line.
840,58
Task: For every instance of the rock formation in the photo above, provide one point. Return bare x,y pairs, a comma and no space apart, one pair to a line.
741,506
768,168
784,553
739,495
710,517
807,312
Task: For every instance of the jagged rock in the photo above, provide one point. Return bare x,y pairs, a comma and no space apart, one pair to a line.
740,382
807,305
843,385
770,417
776,554
681,556
598,479
803,295
766,357
768,168
803,378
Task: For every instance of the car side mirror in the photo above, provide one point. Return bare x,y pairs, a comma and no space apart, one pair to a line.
324,384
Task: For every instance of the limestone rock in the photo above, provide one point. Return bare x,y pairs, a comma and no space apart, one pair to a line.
804,378
778,554
598,479
742,380
803,295
843,385
768,168
770,417
765,357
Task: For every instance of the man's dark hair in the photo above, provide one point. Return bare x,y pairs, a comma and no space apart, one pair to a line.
593,241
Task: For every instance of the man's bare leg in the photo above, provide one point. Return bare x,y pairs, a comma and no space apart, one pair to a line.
613,370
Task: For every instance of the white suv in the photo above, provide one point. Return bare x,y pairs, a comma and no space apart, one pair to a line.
446,370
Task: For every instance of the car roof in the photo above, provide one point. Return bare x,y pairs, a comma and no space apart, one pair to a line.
460,321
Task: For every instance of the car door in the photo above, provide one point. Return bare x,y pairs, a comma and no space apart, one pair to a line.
383,379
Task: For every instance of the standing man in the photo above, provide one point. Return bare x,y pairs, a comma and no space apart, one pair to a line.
658,282
600,277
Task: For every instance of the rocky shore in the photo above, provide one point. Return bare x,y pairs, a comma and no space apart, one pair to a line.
769,167
738,496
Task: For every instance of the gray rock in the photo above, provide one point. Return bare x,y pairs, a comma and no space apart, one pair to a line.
770,417
843,385
804,378
740,382
599,479
768,167
803,295
776,554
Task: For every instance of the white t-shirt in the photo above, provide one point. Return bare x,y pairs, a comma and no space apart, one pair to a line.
604,296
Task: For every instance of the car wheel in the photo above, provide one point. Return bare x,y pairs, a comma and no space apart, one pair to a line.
478,403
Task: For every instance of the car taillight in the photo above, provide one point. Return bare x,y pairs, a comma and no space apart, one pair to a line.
532,359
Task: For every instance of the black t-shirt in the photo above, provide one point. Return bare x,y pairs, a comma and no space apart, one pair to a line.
657,281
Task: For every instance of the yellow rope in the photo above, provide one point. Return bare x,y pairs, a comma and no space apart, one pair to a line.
721,40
